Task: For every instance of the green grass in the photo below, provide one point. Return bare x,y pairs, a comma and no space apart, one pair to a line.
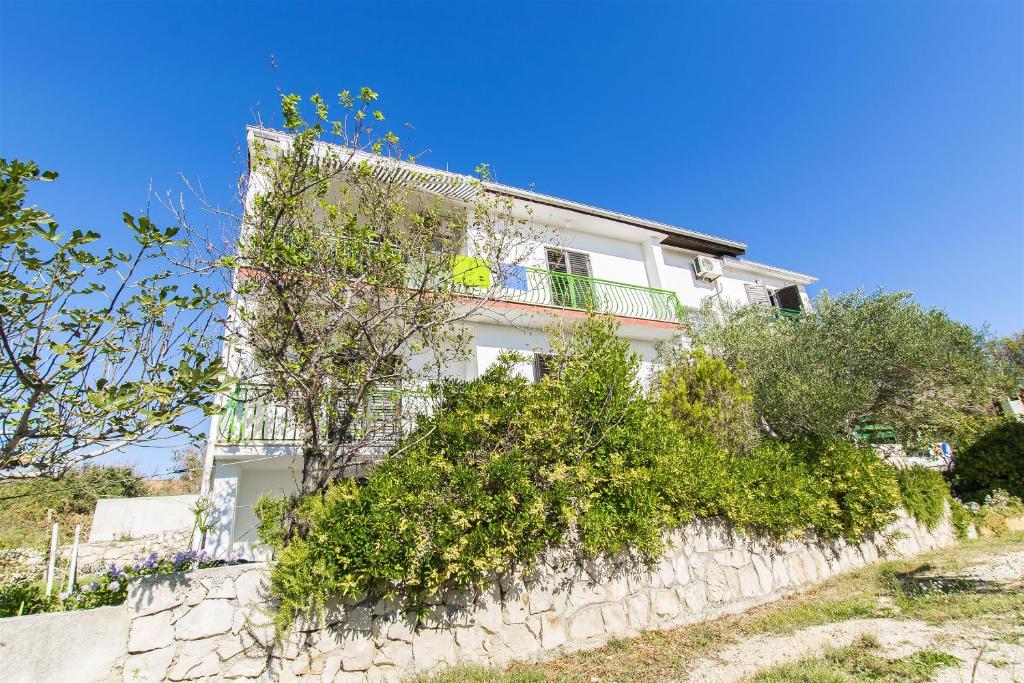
860,662
883,590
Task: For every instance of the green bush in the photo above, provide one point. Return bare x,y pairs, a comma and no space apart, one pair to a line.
705,398
20,594
505,469
862,489
994,460
774,490
18,597
924,493
960,518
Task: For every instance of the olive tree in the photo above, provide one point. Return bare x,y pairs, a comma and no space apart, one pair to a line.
857,359
99,349
1009,356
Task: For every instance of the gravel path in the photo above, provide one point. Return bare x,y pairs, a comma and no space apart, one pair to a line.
984,654
1008,568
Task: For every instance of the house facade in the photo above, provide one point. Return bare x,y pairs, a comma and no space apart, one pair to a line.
649,276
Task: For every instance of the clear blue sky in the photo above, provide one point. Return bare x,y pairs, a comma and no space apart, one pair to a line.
866,143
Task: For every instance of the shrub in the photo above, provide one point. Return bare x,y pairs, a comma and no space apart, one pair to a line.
21,595
862,488
996,510
994,460
960,518
773,489
506,469
924,493
705,398
503,470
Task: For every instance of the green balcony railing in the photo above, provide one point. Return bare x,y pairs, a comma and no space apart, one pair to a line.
562,290
875,434
386,416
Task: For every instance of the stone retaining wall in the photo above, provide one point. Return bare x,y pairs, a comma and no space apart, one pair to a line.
211,624
96,556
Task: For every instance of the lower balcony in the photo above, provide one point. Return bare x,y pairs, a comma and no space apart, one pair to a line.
250,416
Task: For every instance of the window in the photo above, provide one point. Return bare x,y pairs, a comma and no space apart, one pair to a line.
759,294
541,365
571,286
788,298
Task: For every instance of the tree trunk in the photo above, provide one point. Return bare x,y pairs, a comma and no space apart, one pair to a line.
316,471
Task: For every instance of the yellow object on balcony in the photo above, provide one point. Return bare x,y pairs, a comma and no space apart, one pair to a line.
471,272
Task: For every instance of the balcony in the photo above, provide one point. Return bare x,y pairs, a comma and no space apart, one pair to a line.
249,417
551,289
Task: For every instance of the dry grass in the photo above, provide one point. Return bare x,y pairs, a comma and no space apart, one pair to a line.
860,662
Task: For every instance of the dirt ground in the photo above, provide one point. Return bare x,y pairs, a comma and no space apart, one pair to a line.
989,649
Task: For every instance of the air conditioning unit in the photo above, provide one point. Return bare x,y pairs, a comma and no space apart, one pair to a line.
707,268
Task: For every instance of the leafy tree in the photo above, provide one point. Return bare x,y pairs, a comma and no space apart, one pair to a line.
1009,356
857,359
190,462
353,277
99,349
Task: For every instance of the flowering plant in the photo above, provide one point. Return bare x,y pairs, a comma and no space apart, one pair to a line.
111,587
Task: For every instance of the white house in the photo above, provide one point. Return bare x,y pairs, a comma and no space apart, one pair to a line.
646,274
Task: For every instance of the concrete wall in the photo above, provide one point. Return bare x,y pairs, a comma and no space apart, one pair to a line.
212,624
136,517
83,647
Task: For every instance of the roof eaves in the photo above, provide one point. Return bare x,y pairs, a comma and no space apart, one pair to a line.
731,247
754,266
675,236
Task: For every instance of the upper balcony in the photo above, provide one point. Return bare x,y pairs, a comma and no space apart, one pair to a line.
556,290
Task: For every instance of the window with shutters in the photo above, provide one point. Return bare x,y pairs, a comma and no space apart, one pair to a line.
787,299
571,284
541,365
758,294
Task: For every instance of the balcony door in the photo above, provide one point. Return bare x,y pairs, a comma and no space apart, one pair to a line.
571,283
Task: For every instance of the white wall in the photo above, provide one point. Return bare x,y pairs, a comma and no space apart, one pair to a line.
137,517
253,484
490,340
680,278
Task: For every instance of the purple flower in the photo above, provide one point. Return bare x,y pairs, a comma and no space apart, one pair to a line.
63,595
115,586
137,566
94,586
